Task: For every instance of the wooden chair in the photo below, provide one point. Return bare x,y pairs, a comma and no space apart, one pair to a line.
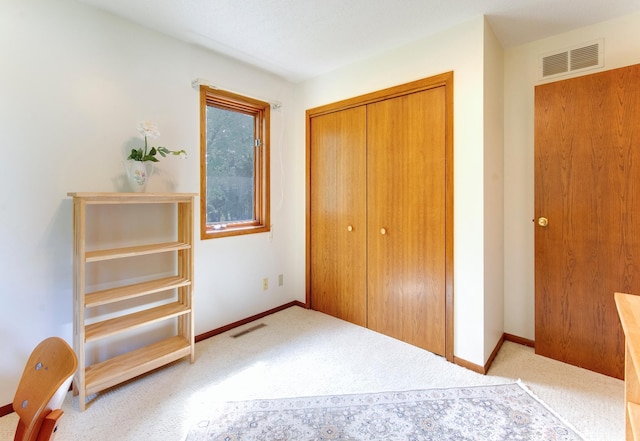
42,388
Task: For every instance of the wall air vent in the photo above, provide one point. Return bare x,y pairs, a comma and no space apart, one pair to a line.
574,59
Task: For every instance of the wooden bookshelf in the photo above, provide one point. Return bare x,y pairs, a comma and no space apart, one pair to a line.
95,377
629,311
104,297
127,322
116,370
139,250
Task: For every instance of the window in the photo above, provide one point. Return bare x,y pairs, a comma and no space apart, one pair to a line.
234,158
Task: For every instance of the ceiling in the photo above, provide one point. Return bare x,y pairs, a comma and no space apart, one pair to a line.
300,39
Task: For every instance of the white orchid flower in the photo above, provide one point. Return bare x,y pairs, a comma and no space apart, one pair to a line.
148,129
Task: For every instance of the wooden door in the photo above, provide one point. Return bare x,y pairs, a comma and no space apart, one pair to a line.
587,184
406,218
338,214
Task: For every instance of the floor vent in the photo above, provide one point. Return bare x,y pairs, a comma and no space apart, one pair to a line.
574,59
248,330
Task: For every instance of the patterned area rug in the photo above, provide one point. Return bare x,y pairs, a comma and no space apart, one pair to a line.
503,412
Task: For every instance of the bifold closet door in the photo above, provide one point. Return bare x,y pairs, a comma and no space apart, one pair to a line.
338,214
406,218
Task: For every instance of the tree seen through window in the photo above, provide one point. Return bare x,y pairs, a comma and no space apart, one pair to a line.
230,163
234,158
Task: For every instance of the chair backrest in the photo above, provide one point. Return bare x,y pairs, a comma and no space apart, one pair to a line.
43,386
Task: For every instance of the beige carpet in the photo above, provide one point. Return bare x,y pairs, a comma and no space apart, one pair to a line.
305,353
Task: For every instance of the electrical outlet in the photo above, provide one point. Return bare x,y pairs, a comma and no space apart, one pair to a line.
265,284
280,279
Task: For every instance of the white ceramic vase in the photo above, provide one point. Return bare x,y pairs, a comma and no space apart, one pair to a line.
138,174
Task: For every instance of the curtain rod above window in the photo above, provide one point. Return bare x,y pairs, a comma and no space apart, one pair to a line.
202,82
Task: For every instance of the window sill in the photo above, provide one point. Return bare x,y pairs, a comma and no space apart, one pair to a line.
212,233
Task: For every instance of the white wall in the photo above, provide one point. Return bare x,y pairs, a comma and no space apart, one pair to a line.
493,191
74,83
459,49
621,48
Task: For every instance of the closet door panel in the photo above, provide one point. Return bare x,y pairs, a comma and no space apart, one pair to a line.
338,214
406,218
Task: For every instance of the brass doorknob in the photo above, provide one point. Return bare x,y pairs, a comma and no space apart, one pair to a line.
543,221
349,228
